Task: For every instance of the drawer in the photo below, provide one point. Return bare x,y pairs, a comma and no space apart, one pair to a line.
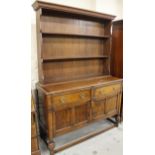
103,92
33,125
71,99
34,144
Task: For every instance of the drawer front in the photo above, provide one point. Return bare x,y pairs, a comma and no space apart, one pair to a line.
71,99
34,144
106,91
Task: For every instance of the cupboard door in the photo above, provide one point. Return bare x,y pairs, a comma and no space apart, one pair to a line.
98,109
81,114
62,120
111,105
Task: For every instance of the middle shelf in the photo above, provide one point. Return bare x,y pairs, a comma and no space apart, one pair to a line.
48,34
73,58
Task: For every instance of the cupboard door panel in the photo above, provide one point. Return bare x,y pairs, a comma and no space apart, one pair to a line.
62,101
62,119
81,114
111,105
98,110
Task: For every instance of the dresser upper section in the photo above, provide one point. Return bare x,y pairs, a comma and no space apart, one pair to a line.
72,44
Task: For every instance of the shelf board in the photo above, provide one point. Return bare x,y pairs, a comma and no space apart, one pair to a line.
76,35
73,58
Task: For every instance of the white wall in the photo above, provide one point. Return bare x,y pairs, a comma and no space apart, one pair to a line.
86,4
114,7
108,6
34,63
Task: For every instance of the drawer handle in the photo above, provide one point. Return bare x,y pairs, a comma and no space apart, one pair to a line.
82,96
62,100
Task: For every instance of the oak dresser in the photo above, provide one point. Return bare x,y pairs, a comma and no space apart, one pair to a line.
77,96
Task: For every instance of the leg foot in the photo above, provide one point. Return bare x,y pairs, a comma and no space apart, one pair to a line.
117,120
51,148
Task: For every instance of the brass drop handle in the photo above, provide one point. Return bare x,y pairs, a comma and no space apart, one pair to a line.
62,100
82,96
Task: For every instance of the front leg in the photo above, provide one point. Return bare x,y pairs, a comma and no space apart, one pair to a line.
51,146
117,118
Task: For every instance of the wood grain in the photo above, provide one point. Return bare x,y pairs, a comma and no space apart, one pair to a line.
117,53
59,47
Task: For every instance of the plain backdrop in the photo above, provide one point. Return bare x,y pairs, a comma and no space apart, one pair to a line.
139,77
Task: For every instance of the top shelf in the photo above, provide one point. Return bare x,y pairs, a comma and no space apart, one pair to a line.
75,35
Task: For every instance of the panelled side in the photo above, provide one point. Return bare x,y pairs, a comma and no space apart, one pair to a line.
39,46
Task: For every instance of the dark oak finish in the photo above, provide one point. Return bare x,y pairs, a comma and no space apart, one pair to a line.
117,53
75,87
117,49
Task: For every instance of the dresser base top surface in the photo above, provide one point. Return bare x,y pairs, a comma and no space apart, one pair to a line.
78,84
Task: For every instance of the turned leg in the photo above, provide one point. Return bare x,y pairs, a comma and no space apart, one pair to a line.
117,118
51,147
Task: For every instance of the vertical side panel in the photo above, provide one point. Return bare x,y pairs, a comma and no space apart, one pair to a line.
39,45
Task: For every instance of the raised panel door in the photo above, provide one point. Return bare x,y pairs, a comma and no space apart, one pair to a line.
81,114
62,120
98,109
111,105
